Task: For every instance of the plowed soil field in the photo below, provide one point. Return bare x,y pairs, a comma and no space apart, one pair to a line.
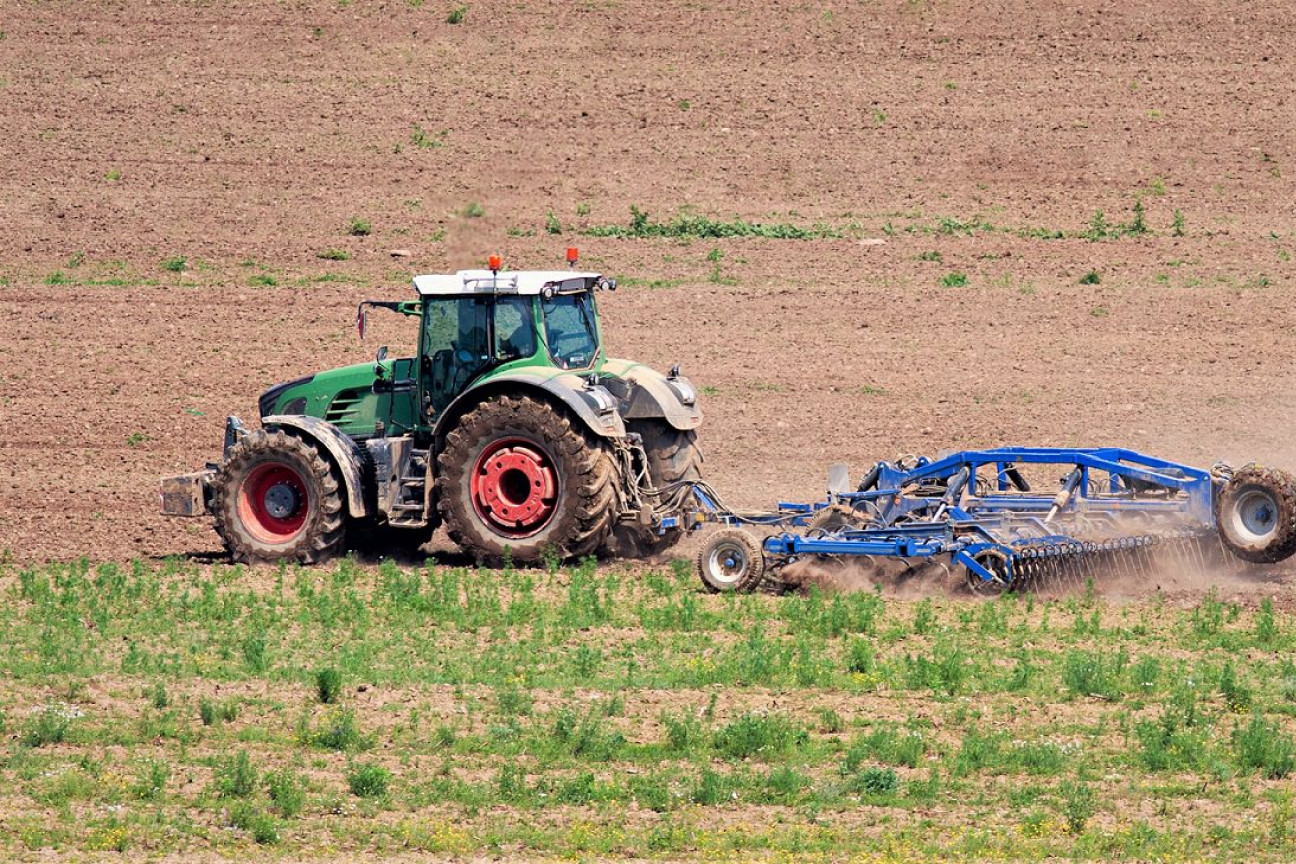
864,229
178,182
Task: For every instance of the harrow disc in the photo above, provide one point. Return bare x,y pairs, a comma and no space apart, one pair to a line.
1000,566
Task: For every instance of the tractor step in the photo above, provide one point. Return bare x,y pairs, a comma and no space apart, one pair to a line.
409,510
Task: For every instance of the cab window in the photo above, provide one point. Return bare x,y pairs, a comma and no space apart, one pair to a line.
454,346
570,330
514,329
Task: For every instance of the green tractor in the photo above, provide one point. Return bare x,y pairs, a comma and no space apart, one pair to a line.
511,427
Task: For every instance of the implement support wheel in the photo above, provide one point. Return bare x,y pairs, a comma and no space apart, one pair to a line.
731,561
1256,514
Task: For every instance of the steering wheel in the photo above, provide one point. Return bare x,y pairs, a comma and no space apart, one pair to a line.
561,346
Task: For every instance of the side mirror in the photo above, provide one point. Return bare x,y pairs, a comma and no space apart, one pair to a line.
382,354
378,361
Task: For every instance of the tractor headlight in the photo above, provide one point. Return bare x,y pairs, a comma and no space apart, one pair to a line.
684,390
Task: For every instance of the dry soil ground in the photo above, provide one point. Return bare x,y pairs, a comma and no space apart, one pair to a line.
182,186
935,139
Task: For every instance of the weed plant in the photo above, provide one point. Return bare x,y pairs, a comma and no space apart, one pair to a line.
574,711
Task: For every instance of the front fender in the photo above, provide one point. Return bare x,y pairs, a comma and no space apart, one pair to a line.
345,452
586,403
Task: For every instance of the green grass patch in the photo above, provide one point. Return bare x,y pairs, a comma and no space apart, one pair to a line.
691,226
589,710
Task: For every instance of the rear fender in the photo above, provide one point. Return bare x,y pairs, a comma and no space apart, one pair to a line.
648,394
341,448
594,406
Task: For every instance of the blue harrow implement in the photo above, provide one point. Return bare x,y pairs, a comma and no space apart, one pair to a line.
980,512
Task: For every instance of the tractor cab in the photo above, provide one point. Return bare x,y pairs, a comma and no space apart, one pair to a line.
479,321
474,325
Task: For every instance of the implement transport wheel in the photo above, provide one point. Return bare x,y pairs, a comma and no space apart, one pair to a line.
731,561
517,474
673,456
1256,514
278,499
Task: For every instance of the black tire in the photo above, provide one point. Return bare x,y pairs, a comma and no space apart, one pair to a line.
1255,513
673,455
276,498
580,510
732,560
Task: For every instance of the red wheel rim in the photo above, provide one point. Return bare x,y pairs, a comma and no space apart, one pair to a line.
514,487
273,502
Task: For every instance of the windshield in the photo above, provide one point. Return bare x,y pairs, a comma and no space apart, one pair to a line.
569,325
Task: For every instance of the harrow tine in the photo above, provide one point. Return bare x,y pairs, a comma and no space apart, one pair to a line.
1170,558
1020,570
1127,562
1036,565
1052,568
1140,552
1061,564
1212,550
1195,554
1079,561
1057,566
1039,566
1181,552
1061,567
1147,558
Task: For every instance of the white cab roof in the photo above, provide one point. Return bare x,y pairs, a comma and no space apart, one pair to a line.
510,282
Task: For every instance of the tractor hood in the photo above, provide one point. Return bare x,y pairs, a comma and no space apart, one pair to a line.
344,397
313,394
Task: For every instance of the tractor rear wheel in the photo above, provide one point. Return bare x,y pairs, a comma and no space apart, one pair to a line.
517,474
1256,514
278,499
673,455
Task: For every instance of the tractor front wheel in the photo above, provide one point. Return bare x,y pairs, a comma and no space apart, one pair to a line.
277,499
516,474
